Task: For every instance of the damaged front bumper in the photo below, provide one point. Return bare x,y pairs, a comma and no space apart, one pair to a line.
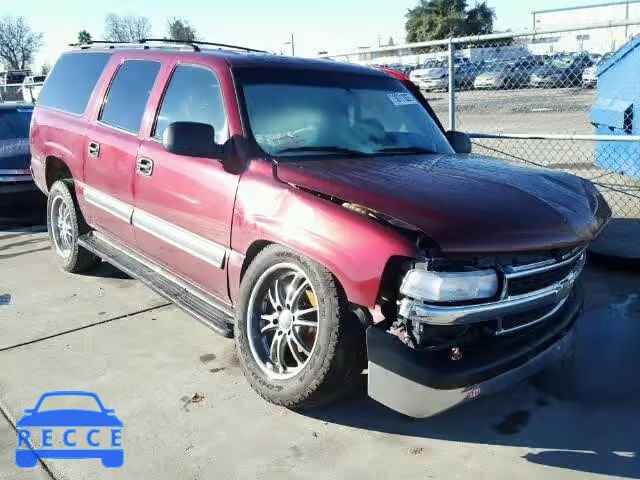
424,383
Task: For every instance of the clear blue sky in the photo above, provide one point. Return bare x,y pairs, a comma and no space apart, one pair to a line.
266,24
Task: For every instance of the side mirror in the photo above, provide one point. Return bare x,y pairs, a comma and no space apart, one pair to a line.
461,142
191,139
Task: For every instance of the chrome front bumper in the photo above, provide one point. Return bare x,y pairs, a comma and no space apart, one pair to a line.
553,296
411,382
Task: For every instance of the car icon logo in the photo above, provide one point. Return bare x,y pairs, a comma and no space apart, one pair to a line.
69,433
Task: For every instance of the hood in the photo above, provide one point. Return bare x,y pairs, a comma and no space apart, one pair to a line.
437,73
464,203
543,72
421,72
491,74
14,154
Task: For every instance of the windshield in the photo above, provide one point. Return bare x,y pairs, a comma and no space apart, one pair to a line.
311,113
15,123
497,67
433,64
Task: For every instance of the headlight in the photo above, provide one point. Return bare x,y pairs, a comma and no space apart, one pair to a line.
450,286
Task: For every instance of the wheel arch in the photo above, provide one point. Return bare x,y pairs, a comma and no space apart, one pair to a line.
56,169
363,292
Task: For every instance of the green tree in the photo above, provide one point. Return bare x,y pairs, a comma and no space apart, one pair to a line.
438,19
84,37
179,29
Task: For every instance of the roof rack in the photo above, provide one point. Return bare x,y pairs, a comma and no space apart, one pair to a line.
196,43
163,42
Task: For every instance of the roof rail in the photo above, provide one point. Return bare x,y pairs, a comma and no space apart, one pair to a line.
144,43
106,44
196,43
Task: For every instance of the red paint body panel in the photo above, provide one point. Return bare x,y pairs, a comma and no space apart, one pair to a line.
351,246
59,135
465,203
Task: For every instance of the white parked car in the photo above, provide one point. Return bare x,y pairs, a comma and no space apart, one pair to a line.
31,87
590,74
417,75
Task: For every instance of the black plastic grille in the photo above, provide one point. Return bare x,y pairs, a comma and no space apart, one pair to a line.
514,321
538,281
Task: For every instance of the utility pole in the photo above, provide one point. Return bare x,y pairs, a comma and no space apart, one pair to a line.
293,47
626,27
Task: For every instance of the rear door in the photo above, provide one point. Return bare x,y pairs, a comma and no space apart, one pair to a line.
111,147
184,205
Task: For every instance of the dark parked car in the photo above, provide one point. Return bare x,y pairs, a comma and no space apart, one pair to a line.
17,189
564,71
317,212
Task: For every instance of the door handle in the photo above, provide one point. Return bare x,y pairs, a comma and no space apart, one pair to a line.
145,166
94,149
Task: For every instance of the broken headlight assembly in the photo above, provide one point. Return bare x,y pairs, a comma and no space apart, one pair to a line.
447,287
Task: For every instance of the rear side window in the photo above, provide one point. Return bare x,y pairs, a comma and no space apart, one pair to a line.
127,98
193,95
72,81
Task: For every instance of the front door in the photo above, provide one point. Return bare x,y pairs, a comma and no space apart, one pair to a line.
184,205
111,149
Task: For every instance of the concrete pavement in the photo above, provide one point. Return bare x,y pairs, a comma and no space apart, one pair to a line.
188,412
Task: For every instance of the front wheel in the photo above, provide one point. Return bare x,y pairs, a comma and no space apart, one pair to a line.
297,344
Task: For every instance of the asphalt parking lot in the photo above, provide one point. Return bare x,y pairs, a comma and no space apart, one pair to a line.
188,413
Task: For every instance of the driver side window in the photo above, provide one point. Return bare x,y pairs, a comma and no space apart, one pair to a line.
193,95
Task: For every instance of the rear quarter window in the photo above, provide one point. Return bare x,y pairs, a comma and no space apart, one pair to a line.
71,83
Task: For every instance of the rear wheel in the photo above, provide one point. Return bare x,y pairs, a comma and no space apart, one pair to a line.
297,344
65,225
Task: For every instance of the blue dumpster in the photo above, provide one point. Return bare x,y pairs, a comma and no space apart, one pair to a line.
613,112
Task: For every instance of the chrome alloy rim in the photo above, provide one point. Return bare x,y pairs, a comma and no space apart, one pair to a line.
61,227
283,321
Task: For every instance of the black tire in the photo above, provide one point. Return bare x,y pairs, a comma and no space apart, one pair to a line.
78,259
337,360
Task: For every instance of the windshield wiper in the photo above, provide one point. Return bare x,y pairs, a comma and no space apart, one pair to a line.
409,150
324,148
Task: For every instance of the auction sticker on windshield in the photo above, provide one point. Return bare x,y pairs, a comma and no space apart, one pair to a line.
69,425
400,98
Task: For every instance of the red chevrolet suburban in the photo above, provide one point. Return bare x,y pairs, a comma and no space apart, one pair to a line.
318,213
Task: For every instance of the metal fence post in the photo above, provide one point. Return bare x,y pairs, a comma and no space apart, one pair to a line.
452,86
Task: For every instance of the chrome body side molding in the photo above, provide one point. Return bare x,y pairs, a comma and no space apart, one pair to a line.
111,205
191,243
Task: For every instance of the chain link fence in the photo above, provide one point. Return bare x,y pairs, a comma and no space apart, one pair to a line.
20,92
529,98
